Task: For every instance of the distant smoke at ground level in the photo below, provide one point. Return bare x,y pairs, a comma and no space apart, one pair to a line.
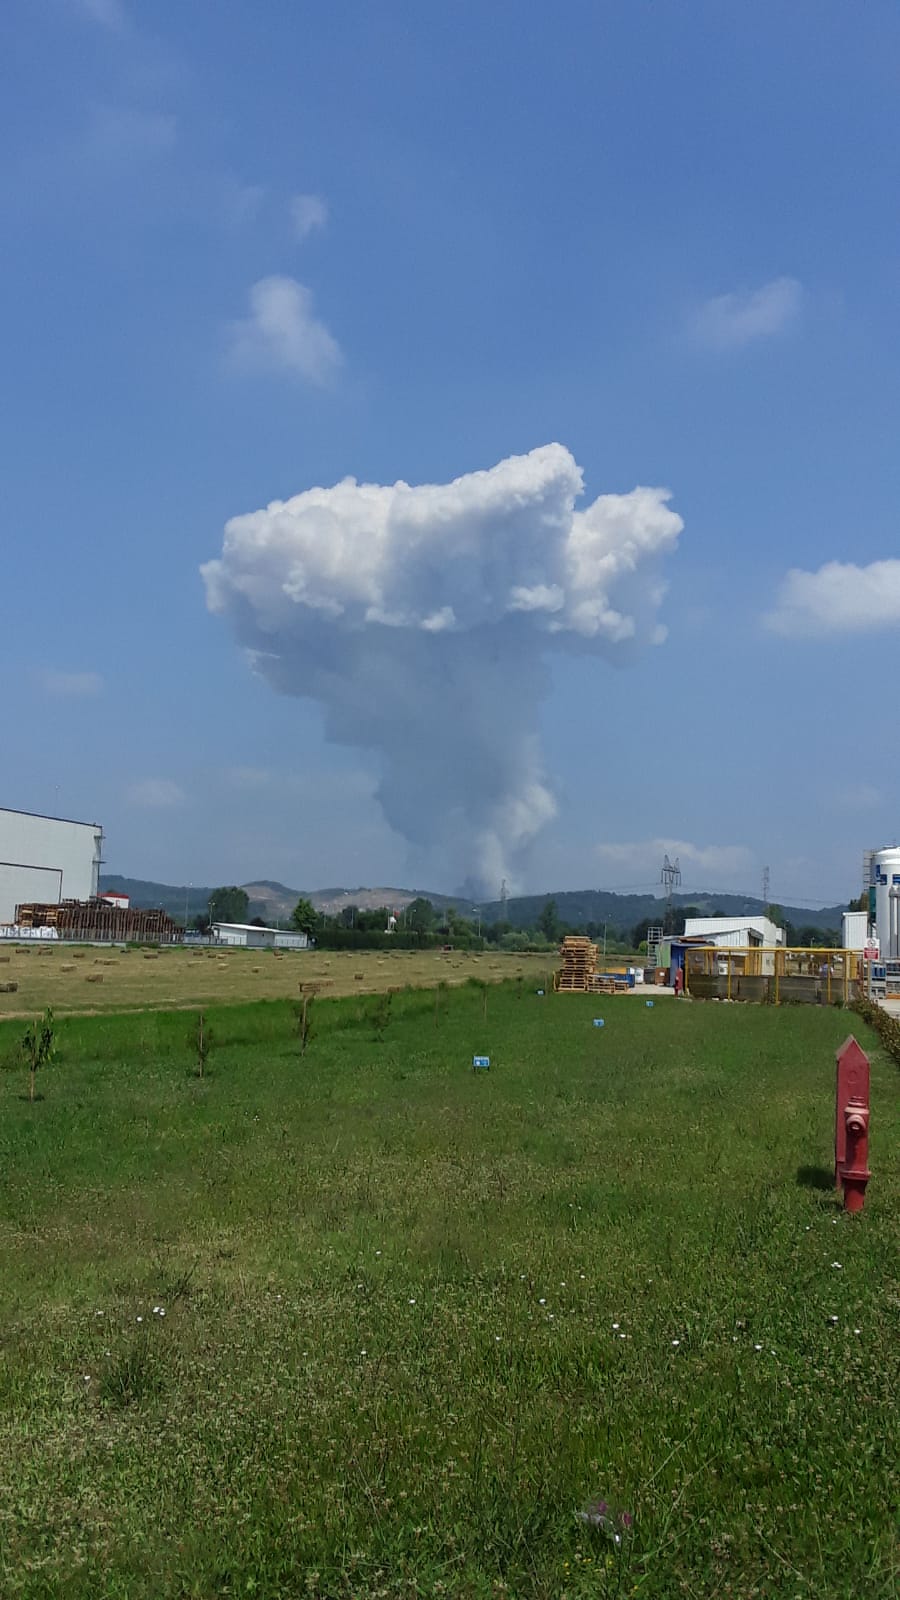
420,620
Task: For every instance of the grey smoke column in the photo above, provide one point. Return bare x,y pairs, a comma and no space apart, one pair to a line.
420,619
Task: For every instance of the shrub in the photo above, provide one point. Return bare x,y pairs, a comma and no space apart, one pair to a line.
886,1026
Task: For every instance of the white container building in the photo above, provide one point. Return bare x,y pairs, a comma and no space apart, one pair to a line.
855,935
247,936
46,859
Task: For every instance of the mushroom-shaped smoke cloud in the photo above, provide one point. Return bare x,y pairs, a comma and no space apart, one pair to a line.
420,619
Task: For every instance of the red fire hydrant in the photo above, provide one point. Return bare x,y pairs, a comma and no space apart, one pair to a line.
851,1124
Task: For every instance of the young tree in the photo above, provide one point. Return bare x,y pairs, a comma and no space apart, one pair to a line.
420,916
229,904
305,918
202,1040
37,1047
548,921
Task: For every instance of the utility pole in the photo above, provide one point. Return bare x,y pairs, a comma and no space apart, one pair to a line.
503,899
765,882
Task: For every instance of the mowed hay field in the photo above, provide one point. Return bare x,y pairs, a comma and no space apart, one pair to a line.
86,978
369,1323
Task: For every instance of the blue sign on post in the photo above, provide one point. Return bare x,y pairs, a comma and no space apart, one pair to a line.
649,1004
538,991
481,1062
599,1022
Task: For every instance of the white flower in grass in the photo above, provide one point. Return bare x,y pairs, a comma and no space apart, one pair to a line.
857,1330
542,1302
616,1326
140,1319
86,1377
757,1347
832,1320
676,1343
838,1265
412,1302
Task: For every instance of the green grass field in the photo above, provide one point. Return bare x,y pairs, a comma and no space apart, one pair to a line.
367,1323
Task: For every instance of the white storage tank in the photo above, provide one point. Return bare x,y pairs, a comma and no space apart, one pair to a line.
886,882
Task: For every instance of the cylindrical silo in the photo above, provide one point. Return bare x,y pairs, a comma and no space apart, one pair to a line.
885,877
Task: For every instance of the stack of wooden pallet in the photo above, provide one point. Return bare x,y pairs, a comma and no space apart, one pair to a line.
97,920
608,983
579,964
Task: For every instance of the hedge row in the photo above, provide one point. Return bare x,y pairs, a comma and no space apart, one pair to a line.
886,1026
363,939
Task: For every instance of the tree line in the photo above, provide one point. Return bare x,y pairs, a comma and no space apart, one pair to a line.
421,924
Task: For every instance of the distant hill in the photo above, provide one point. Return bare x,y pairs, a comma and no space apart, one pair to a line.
268,898
621,912
576,907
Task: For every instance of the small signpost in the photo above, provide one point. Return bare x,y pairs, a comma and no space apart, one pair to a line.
481,1063
851,1124
599,1022
649,1004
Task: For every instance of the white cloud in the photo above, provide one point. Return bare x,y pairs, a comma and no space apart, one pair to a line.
282,332
839,598
158,794
71,683
731,320
419,618
643,859
308,213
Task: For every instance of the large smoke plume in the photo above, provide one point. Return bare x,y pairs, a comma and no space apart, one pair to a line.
421,619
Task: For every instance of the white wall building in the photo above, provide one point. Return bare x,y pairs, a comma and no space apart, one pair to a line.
46,859
855,934
739,933
247,936
735,933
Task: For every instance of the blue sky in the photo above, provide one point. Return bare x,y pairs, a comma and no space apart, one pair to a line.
663,235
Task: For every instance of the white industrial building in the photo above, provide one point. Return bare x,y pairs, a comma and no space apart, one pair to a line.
247,936
46,859
737,933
